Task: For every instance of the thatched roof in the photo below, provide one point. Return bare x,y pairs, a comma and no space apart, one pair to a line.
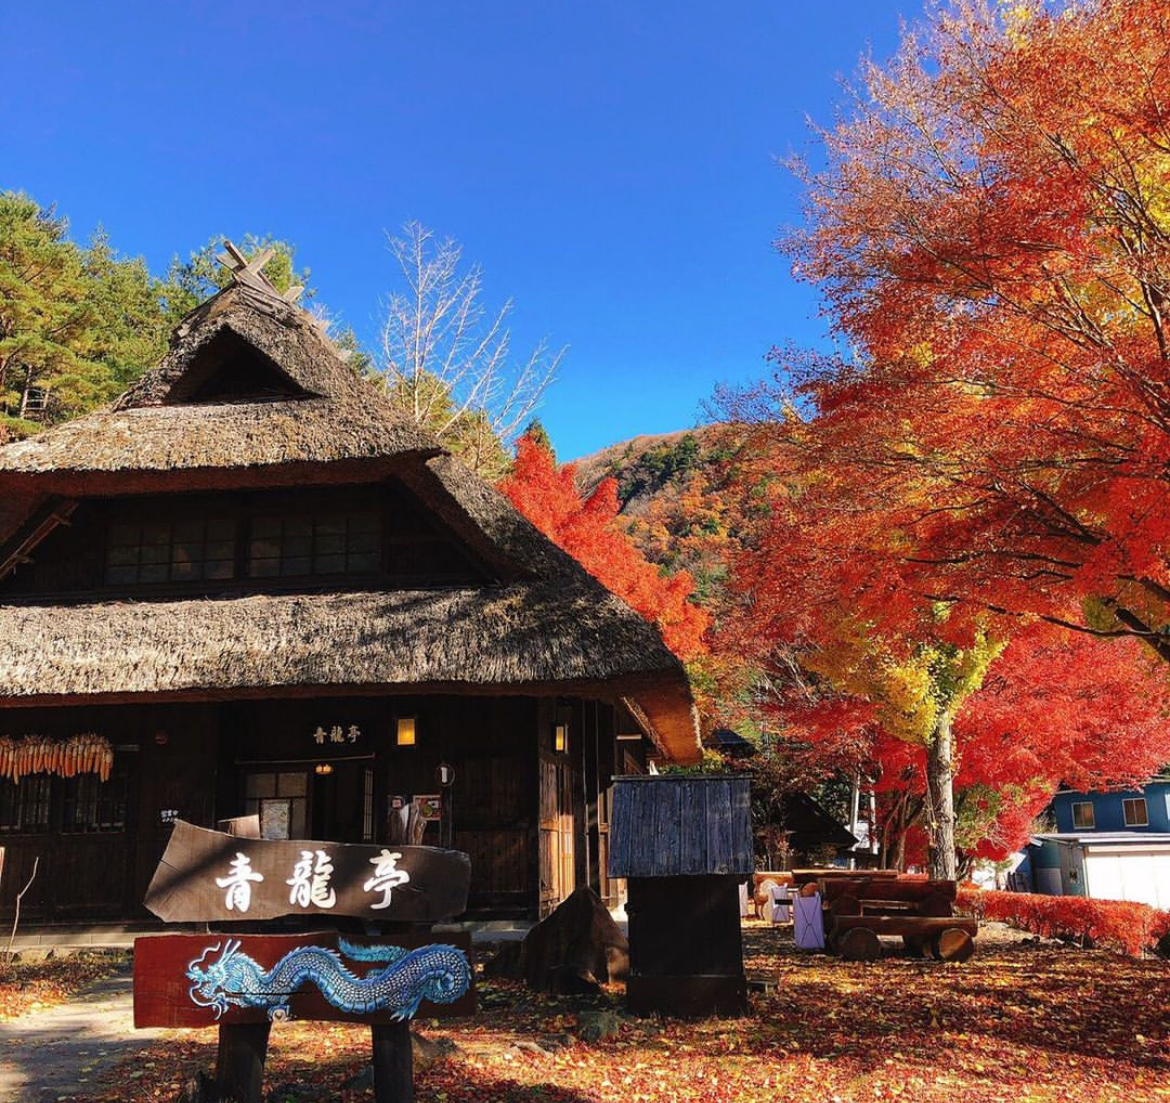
495,639
548,627
153,427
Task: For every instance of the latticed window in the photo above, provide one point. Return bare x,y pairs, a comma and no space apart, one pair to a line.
90,805
315,544
170,551
1084,818
25,805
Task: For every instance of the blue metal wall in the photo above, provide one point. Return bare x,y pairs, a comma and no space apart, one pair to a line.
1107,808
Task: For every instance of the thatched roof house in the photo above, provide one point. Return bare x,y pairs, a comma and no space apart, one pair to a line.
243,456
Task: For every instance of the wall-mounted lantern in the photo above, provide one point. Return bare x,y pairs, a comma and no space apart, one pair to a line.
561,737
406,731
323,769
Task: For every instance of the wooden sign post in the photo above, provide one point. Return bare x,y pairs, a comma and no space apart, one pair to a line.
243,982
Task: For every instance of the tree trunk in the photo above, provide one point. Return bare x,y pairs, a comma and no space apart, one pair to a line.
940,808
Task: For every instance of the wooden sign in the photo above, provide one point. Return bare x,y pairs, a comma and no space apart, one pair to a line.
202,980
208,876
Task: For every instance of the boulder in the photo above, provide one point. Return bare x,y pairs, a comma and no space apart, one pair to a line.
596,1026
574,950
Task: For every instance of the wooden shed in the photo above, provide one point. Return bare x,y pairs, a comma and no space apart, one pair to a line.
684,843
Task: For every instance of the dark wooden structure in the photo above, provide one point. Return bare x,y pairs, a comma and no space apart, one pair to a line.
270,593
684,843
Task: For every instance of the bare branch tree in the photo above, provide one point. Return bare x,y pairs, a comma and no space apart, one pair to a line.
447,360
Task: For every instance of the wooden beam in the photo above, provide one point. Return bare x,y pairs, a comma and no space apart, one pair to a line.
56,512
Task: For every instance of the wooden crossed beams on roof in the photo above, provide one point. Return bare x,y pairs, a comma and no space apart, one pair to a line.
18,550
250,273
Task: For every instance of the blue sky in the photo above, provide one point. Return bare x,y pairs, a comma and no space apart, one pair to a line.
611,165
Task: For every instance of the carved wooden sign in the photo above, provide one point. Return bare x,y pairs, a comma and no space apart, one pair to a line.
204,980
208,876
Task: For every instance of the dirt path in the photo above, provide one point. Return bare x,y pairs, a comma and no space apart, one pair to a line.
59,1051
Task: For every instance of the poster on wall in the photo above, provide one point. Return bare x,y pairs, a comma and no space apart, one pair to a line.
274,818
430,806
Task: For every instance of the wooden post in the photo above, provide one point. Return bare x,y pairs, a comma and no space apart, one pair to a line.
239,1065
393,1063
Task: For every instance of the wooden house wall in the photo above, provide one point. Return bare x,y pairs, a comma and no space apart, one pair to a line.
415,548
490,742
534,822
169,752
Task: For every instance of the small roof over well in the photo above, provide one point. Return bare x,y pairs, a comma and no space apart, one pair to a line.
252,385
675,825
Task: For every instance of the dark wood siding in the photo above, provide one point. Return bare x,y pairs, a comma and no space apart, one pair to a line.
169,755
414,548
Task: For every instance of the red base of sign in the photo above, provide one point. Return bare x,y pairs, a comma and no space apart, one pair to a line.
162,988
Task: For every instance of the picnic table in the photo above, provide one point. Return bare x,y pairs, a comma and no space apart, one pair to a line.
861,906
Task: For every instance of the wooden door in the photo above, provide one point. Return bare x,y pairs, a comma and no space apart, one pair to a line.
557,877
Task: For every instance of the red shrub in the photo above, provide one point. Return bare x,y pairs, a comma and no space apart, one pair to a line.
1130,928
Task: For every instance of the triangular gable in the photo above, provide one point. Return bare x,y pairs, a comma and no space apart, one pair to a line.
229,368
244,344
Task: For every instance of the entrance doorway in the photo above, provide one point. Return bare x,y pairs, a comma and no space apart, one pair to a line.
332,801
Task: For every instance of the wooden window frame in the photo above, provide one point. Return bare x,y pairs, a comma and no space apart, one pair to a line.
63,798
1079,805
1129,804
351,522
170,564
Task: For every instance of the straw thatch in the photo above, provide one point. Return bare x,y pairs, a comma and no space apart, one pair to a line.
547,627
336,416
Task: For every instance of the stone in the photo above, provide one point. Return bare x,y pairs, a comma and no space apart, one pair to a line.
427,1051
34,953
575,949
596,1026
505,962
552,1042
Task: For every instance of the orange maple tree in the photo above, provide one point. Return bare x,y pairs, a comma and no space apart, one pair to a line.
992,236
588,529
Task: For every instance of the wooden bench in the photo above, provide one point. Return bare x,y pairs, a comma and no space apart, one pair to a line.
860,908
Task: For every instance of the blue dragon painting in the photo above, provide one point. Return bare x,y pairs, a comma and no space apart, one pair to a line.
438,973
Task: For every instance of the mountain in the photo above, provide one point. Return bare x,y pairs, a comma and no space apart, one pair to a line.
649,466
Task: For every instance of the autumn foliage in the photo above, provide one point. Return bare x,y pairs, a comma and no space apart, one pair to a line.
992,237
1131,928
588,530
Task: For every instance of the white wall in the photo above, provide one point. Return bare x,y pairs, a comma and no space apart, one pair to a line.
1140,876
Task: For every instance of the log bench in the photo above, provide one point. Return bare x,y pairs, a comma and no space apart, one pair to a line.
861,908
855,937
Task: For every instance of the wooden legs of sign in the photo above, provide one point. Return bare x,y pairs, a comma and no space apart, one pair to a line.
239,1065
243,1047
393,1067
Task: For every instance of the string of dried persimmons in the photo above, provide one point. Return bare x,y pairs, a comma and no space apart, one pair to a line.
38,754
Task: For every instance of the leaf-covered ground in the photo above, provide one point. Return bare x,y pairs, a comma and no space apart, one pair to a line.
27,987
1022,1023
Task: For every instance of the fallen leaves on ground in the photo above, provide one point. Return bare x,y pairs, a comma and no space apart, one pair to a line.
28,987
1021,1023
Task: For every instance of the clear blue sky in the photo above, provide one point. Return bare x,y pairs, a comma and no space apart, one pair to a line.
611,164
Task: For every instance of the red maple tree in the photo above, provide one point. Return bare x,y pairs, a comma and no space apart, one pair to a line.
589,531
992,236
